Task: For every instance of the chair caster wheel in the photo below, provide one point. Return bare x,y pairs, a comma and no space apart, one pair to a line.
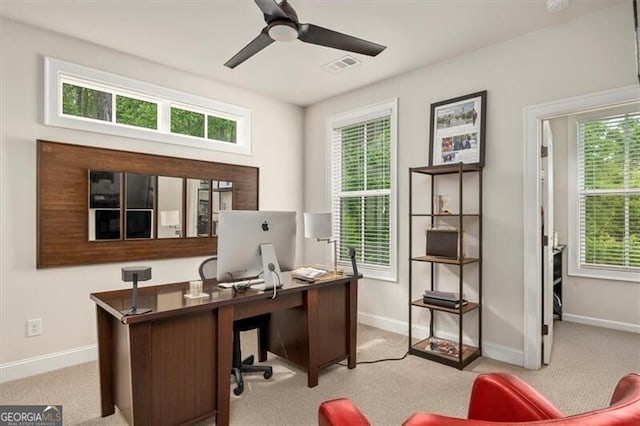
267,374
238,390
248,360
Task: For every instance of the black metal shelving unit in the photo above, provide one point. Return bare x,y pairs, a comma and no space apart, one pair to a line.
462,354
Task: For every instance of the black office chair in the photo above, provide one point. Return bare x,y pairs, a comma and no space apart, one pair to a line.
208,269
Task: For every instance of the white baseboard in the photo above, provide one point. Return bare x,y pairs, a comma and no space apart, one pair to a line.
383,323
597,322
49,362
54,361
489,350
503,353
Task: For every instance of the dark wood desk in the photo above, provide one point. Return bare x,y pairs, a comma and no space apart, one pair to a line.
172,365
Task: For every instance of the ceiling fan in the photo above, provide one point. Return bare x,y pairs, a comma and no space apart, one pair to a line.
282,25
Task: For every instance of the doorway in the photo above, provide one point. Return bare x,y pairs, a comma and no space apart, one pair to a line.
532,220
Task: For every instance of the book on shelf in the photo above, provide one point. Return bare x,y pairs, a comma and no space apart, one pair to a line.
455,304
442,295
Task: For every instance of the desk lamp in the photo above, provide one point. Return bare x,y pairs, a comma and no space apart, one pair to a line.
135,273
318,226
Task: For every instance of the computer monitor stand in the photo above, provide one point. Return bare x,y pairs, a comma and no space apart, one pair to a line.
270,266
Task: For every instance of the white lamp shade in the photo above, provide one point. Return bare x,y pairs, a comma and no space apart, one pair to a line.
170,218
317,225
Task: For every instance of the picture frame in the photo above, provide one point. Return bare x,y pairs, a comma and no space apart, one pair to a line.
636,22
458,130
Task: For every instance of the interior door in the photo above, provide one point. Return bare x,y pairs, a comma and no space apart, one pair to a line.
547,250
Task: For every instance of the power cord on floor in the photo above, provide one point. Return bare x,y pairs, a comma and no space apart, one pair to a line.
378,360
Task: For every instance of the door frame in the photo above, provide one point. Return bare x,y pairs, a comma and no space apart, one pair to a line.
532,240
549,227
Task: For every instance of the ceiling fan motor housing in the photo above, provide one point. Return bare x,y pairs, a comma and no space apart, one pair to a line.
283,31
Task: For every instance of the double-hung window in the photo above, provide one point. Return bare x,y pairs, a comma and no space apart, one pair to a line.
364,186
608,196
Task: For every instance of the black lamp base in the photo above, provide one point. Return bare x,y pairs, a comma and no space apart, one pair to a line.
135,273
136,311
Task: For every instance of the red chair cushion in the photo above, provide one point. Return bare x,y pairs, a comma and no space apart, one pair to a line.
340,412
505,400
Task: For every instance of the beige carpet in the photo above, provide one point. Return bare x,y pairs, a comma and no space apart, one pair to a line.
586,364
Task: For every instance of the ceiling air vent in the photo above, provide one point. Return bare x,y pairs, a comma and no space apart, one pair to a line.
341,64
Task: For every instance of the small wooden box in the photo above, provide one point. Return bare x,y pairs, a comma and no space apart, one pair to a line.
442,242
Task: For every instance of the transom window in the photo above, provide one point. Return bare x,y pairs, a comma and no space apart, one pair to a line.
82,98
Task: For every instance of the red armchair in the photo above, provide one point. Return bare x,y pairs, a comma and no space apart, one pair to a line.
503,399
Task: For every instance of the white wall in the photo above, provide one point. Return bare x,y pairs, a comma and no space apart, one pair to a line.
60,296
590,54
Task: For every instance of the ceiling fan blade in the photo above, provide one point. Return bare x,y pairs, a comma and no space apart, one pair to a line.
271,8
314,34
256,45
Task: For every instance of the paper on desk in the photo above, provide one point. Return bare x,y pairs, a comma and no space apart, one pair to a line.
308,272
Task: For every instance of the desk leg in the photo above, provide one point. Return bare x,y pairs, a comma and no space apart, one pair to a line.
311,305
225,349
352,326
105,360
141,372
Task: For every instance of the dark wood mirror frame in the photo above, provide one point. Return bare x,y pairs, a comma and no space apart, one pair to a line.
62,203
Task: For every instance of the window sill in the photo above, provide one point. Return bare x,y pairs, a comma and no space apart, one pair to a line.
373,274
605,274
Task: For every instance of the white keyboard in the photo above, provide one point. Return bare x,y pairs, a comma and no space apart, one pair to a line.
263,286
259,286
243,283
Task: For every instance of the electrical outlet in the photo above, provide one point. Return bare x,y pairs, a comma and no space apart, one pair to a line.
34,327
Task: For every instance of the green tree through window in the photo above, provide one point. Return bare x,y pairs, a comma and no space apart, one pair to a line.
364,192
135,112
85,102
609,150
221,129
187,122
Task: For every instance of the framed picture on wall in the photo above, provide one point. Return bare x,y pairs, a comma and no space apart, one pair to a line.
457,130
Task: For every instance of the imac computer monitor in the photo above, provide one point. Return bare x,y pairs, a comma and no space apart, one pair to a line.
239,237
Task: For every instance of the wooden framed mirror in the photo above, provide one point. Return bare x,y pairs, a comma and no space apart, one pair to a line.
170,207
105,188
198,207
64,215
139,206
221,199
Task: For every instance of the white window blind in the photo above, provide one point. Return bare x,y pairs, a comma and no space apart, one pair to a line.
609,192
363,205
